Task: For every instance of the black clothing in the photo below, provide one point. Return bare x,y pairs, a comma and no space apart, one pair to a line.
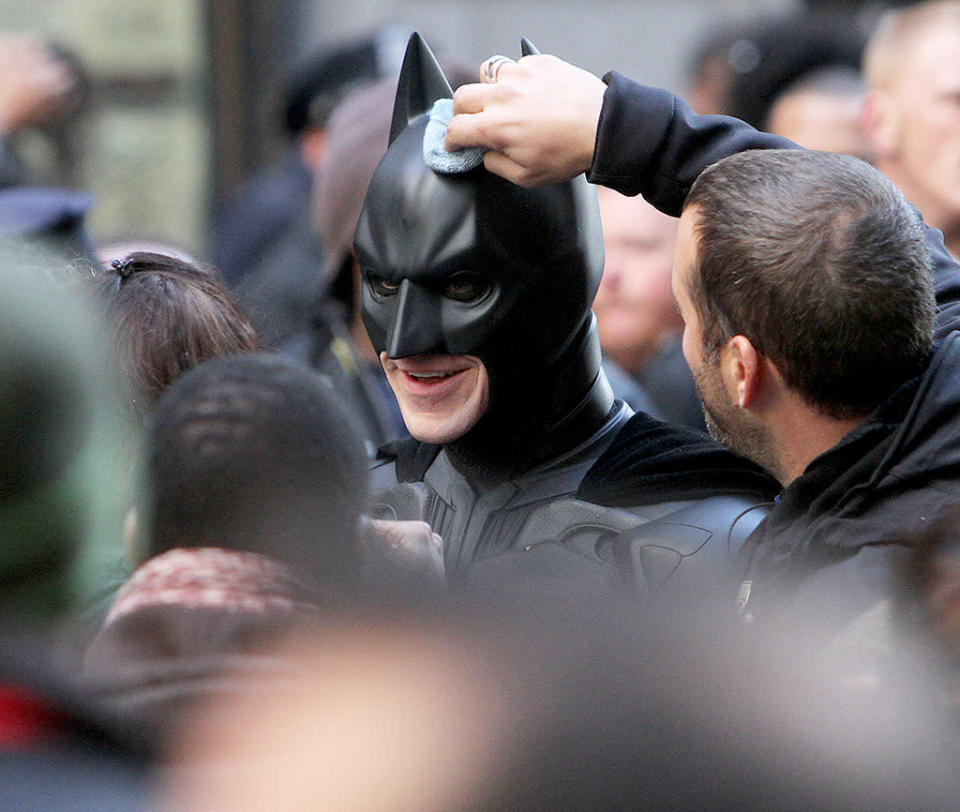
651,459
51,218
279,290
259,216
864,497
868,496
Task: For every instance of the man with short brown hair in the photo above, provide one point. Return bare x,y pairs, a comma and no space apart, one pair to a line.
850,406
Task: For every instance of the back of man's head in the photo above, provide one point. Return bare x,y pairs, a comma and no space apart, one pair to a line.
822,264
257,453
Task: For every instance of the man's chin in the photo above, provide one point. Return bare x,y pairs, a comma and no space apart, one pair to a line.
440,432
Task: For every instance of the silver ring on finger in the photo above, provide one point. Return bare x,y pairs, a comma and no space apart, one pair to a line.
491,68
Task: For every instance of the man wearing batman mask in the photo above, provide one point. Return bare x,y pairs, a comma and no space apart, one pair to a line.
476,294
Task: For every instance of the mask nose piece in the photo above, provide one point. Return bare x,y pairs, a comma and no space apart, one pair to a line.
416,328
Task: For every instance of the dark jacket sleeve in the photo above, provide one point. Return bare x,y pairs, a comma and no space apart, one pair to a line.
650,142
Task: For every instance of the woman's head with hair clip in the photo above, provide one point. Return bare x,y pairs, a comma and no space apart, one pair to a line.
167,316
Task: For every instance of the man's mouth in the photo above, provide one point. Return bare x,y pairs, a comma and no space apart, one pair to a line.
431,376
428,376
432,379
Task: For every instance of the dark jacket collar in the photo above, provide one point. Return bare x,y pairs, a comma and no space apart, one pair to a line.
651,461
890,473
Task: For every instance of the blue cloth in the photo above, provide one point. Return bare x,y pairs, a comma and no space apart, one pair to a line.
434,153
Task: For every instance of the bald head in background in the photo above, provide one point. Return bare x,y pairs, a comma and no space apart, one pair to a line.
912,109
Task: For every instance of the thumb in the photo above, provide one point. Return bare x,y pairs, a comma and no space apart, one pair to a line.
465,130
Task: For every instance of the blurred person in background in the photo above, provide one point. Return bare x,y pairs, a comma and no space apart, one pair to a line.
336,342
265,241
710,69
821,110
796,75
776,51
741,67
637,319
911,112
246,525
43,88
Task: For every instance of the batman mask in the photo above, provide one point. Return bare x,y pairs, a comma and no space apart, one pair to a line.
471,264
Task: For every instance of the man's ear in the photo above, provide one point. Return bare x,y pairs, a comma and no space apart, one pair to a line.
880,123
744,371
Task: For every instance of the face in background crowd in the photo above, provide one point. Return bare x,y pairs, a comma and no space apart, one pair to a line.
634,307
823,112
912,111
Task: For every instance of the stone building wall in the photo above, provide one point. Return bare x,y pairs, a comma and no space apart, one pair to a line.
144,143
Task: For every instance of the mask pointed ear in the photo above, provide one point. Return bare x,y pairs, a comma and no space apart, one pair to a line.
421,83
527,48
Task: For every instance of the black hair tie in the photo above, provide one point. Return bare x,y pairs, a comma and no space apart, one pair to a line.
123,267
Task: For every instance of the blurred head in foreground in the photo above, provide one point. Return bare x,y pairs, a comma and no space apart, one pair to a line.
59,429
544,707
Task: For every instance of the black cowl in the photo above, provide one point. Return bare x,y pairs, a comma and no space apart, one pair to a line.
472,264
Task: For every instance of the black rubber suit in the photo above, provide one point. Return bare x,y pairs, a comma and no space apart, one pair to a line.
470,264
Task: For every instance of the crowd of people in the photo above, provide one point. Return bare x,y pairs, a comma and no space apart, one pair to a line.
559,443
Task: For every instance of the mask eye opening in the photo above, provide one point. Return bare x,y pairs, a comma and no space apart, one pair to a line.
381,287
467,287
